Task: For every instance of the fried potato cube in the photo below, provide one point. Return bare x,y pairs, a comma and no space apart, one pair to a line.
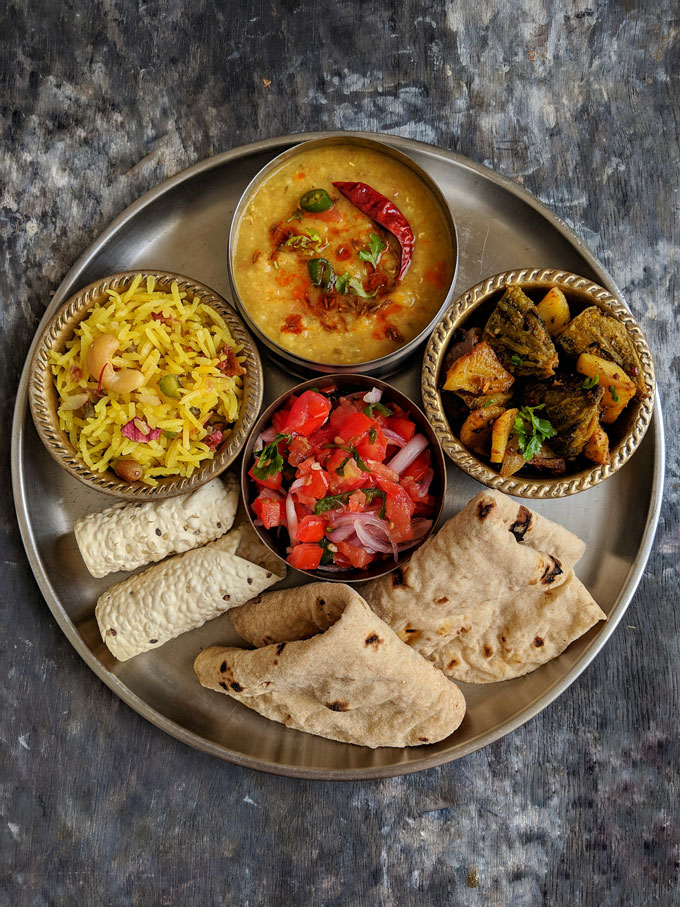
513,460
475,432
553,310
597,448
619,389
478,372
500,433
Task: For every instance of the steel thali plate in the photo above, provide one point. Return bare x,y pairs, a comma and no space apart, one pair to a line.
182,226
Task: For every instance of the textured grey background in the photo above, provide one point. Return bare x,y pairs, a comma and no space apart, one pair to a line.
578,104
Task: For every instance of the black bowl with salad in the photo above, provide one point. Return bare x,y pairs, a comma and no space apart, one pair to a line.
343,478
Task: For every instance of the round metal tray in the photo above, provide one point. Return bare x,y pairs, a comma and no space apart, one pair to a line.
182,225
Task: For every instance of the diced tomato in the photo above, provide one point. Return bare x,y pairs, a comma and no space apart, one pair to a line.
398,511
379,469
269,508
374,449
355,427
318,484
402,427
341,414
419,467
281,415
311,529
414,488
366,435
312,483
298,450
307,414
305,556
349,477
357,557
357,502
273,482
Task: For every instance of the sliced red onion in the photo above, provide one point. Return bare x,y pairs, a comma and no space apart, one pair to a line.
332,568
340,533
133,431
345,518
427,481
265,437
408,454
393,437
299,483
370,542
373,396
291,518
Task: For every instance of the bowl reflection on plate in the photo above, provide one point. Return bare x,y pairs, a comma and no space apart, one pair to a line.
43,393
277,539
472,309
325,333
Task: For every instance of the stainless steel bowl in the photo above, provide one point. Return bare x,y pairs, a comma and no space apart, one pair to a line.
384,365
474,307
347,384
42,392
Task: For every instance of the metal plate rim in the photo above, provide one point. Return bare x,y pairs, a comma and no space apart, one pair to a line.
194,739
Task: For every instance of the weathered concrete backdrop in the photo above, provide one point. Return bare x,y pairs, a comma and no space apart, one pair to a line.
577,103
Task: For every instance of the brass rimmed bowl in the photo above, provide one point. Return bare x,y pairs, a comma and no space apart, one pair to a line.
42,392
473,308
277,539
298,364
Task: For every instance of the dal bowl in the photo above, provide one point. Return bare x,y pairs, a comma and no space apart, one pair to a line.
342,255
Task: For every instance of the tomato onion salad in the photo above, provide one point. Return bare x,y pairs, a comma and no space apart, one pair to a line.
346,477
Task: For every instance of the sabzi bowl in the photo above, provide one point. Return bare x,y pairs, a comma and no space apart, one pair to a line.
473,308
277,540
42,392
299,365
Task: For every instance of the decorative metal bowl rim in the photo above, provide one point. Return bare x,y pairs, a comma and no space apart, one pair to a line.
42,393
433,360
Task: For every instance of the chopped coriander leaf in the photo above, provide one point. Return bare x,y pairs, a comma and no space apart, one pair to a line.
612,391
341,468
342,282
352,451
333,501
517,359
345,283
376,246
372,434
379,408
357,288
532,431
270,460
588,383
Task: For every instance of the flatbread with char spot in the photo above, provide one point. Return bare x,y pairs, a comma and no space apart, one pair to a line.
492,595
346,676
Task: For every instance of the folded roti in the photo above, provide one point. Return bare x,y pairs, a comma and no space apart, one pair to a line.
492,595
352,681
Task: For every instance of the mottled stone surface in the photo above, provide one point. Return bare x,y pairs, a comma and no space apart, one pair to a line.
577,103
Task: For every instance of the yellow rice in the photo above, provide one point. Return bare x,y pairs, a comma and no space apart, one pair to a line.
188,346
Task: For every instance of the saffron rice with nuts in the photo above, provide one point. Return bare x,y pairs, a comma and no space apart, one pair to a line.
182,366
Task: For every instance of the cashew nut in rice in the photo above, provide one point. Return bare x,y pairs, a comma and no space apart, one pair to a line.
99,355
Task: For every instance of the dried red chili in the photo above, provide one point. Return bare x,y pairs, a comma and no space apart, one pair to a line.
384,212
